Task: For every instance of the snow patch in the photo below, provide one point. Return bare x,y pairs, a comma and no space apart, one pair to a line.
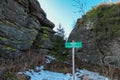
48,75
49,59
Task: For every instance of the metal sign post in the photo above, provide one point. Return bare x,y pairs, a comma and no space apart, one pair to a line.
73,62
73,45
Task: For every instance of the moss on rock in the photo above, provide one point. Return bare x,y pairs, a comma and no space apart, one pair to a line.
3,38
10,76
106,20
8,47
10,23
1,22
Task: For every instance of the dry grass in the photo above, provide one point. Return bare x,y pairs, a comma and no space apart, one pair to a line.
58,67
30,59
109,71
24,62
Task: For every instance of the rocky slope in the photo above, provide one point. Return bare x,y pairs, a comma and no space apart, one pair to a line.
25,35
23,25
99,31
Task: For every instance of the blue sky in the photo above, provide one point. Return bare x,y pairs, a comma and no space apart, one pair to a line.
62,11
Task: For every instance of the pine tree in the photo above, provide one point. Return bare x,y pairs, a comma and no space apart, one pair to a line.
60,31
59,50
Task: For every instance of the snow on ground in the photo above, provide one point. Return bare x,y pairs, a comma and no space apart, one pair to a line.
49,59
48,75
41,74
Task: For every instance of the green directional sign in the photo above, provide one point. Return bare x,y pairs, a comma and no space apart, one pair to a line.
73,45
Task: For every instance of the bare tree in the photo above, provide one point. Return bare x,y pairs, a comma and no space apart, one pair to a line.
110,1
80,5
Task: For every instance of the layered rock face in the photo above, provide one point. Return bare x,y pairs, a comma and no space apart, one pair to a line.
23,25
99,31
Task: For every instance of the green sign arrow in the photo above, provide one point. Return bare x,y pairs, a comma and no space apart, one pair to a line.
73,45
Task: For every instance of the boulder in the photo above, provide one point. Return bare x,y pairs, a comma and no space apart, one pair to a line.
44,39
21,24
100,36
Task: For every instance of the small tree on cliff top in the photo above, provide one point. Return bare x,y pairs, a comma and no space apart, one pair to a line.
60,31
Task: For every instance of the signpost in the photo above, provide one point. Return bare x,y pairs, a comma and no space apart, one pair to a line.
73,45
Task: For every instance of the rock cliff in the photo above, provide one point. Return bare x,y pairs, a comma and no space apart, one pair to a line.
99,31
23,26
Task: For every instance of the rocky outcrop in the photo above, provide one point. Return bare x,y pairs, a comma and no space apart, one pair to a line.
99,31
23,25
